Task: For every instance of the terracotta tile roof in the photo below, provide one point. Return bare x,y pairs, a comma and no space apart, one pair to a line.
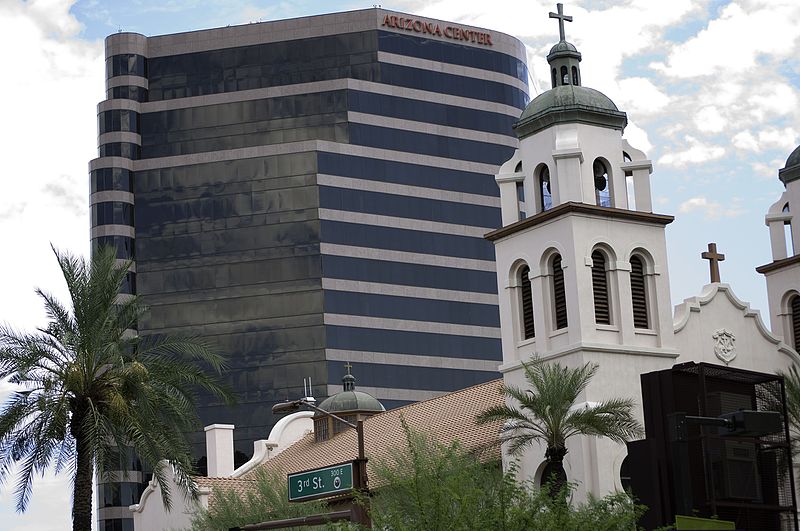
445,418
237,484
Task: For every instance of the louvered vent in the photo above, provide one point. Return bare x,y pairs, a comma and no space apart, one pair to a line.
527,303
602,312
638,293
796,320
559,296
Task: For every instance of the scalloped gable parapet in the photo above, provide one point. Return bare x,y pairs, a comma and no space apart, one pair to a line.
694,304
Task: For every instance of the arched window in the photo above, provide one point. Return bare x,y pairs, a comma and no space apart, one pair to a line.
575,76
564,75
526,302
787,232
544,186
602,304
794,307
559,293
554,81
602,186
639,293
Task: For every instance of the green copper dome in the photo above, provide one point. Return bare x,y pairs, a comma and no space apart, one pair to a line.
791,172
351,400
794,158
569,103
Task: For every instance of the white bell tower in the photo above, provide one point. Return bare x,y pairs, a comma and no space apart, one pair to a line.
783,273
581,258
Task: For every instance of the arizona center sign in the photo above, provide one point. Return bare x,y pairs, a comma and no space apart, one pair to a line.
432,28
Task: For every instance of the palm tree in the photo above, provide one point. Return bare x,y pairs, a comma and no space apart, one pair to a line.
90,389
791,382
546,413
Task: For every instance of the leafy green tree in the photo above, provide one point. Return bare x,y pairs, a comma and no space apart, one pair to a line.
436,487
90,389
544,412
264,500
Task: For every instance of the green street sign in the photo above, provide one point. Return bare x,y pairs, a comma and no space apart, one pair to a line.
321,482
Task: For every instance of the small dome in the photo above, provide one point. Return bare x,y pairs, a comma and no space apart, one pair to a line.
562,46
794,158
791,172
352,401
569,103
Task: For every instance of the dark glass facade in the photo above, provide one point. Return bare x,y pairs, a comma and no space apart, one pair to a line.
297,226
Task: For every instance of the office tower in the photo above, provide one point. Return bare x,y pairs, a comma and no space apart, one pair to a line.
312,191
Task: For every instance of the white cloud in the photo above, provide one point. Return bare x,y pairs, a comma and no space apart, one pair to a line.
640,96
773,98
49,136
734,41
710,120
637,137
696,153
745,140
770,138
710,209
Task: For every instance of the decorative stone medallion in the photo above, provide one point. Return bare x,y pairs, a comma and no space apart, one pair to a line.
724,345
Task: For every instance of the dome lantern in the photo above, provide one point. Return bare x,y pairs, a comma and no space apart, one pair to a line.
564,58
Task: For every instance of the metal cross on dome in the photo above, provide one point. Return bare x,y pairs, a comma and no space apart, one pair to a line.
348,367
714,258
561,18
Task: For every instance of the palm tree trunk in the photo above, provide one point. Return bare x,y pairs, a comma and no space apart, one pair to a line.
82,488
558,477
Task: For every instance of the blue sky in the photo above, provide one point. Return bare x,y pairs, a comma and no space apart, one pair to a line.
712,92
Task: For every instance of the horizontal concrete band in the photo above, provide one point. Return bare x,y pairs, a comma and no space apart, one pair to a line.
352,183
119,136
370,253
415,292
387,393
113,230
110,162
111,195
296,28
450,68
387,358
311,146
327,86
431,129
127,81
402,223
119,103
406,325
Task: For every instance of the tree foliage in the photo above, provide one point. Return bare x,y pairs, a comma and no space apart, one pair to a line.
791,381
265,500
89,389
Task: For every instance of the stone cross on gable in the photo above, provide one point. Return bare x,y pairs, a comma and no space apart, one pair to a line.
561,18
714,258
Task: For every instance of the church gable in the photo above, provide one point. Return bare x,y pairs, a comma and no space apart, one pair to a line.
718,327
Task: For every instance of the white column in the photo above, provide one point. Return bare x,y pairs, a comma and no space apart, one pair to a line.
642,195
219,449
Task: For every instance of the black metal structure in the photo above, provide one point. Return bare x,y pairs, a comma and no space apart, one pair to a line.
694,468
